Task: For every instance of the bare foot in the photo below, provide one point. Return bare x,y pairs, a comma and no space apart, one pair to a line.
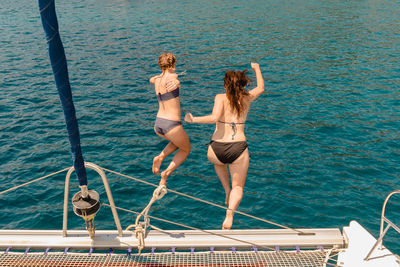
227,224
227,193
156,164
164,177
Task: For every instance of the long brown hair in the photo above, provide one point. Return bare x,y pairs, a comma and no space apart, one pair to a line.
235,83
166,61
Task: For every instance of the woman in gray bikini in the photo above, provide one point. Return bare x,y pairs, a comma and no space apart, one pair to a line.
168,122
228,146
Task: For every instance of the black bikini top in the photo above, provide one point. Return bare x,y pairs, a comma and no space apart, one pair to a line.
168,95
233,125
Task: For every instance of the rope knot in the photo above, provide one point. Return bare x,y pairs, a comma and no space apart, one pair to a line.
160,192
139,232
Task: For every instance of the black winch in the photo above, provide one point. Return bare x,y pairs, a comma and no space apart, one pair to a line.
87,208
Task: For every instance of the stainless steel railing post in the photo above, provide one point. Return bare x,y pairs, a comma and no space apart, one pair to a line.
103,176
383,212
382,231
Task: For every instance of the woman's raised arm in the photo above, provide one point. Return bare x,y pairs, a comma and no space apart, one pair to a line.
215,115
256,92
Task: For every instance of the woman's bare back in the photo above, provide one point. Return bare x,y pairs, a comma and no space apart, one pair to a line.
163,84
230,126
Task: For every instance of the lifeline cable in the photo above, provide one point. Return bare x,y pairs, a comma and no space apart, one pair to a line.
210,203
192,228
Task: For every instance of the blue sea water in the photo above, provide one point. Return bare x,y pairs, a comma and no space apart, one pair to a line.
324,138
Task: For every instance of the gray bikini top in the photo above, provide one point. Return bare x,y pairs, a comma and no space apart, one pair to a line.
168,95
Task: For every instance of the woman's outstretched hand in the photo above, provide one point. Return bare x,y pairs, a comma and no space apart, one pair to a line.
189,117
254,65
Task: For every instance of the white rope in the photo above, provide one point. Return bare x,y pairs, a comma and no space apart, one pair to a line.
140,228
38,179
158,193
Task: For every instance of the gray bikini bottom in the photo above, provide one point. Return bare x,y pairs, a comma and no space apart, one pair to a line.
163,126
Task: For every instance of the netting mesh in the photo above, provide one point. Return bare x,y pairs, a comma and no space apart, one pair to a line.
180,259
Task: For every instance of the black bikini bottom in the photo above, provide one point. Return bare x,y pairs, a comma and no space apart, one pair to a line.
228,152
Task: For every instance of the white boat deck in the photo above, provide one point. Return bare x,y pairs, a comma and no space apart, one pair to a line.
318,249
360,242
79,239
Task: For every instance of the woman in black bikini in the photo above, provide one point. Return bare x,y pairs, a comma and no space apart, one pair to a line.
228,146
168,122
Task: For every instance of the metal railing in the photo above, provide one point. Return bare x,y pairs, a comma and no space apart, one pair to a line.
382,231
108,191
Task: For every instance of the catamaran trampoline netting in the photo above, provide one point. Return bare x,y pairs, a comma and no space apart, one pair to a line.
179,259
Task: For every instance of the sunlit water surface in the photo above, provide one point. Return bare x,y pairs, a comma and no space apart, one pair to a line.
324,137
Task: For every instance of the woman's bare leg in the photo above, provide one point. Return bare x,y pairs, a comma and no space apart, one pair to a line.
238,170
223,175
179,138
222,172
157,160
